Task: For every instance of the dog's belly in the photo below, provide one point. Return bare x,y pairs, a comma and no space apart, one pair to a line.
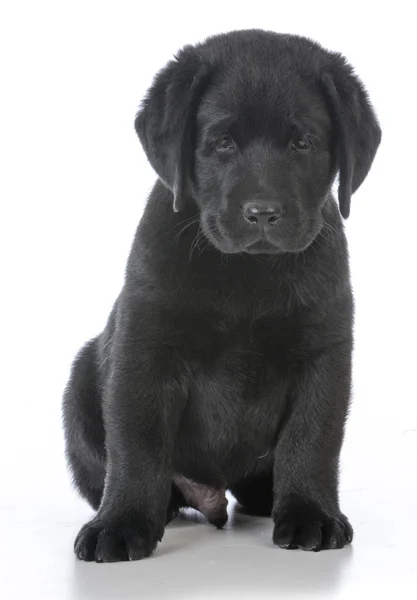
230,425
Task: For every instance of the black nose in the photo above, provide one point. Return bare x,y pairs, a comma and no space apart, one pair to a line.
263,214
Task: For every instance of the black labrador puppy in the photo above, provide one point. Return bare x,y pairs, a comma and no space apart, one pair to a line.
226,360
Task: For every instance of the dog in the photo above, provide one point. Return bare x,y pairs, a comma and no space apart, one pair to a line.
226,360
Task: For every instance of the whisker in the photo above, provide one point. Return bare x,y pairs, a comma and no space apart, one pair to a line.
192,218
329,233
181,231
195,243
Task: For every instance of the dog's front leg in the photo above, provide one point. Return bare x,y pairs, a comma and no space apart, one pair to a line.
143,403
306,505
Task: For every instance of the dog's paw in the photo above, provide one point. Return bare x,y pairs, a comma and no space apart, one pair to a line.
307,527
112,540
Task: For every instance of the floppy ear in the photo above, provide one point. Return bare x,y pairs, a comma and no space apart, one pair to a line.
357,130
166,122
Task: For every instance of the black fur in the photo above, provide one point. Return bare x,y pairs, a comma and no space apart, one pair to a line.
227,356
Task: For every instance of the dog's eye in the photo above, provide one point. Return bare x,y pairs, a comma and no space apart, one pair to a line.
300,144
225,142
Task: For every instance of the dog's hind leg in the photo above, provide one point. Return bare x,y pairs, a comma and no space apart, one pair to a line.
83,425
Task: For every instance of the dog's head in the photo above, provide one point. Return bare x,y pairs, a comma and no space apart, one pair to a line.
252,128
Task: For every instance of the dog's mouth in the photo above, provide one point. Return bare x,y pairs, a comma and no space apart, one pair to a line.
265,246
292,237
262,246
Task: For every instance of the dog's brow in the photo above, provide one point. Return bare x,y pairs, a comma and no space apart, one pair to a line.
215,128
212,115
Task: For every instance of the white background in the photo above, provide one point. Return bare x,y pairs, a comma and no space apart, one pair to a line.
73,184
